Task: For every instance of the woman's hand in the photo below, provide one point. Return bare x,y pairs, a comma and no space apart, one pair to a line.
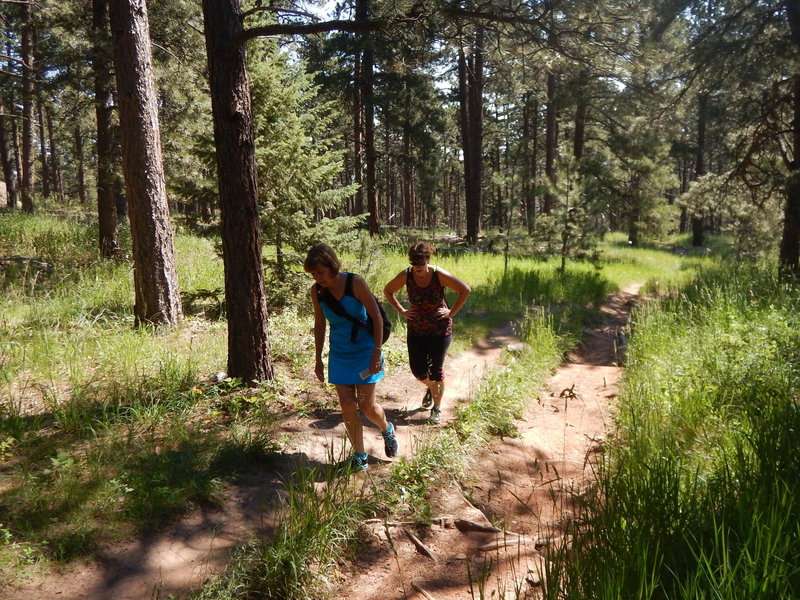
443,313
319,370
409,314
375,361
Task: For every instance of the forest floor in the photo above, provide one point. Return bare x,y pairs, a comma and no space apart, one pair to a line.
525,487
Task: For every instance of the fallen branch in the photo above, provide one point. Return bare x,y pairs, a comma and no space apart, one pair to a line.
465,525
422,591
502,543
21,261
421,548
391,523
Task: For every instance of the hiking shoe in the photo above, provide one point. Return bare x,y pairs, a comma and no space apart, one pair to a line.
436,416
389,441
352,464
427,400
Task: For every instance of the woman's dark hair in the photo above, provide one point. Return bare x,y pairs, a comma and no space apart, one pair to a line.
421,252
322,255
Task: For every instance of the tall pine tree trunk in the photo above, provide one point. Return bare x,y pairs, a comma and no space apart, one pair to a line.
550,143
358,134
17,153
46,187
55,164
700,163
5,158
409,213
466,131
81,169
155,277
789,256
28,109
581,112
248,338
635,212
103,107
370,155
470,95
534,165
117,178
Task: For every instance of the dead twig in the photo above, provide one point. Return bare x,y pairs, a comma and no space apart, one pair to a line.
465,525
502,543
422,591
421,548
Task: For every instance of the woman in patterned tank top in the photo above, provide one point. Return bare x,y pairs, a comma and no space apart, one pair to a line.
429,319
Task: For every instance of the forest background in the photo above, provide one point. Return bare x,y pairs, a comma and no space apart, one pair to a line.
528,129
535,127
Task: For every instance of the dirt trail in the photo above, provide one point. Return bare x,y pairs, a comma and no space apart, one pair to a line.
525,483
526,486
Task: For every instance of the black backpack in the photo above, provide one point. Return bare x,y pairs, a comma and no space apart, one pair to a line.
323,295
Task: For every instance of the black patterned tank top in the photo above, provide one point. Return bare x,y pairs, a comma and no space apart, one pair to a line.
427,301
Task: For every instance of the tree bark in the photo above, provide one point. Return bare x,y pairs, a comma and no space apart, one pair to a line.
46,187
55,165
551,142
117,178
409,213
700,164
635,210
28,112
358,116
534,165
17,154
103,107
81,174
370,155
581,112
248,337
470,94
5,156
789,256
466,131
154,274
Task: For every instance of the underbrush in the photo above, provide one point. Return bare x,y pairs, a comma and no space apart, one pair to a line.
698,498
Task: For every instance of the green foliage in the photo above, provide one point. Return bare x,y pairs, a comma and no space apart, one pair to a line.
318,525
699,496
750,216
297,163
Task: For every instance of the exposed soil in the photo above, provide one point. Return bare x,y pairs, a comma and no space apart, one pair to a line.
525,486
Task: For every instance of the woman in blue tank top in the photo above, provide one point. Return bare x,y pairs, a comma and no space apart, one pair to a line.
355,363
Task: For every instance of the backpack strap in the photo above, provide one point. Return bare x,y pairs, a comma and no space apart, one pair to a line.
348,285
324,295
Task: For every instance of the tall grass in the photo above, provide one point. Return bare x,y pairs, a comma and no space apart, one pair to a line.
699,497
317,526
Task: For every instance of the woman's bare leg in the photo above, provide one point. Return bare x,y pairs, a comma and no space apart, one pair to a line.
437,390
350,416
372,410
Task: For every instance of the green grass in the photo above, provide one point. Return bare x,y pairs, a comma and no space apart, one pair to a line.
317,526
699,497
107,431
